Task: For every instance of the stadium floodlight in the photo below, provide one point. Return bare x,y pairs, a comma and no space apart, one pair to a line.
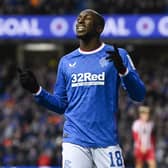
40,47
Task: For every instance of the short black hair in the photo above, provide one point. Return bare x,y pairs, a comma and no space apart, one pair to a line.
100,19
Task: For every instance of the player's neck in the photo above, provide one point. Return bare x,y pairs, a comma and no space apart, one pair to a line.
90,45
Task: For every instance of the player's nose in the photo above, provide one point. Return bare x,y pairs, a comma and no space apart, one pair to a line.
81,20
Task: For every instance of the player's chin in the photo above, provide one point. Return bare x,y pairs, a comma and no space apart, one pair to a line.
80,35
84,36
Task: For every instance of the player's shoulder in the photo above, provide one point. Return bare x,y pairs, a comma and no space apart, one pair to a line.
151,123
136,121
72,54
136,124
68,57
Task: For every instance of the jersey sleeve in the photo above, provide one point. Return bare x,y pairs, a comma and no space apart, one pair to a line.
57,101
131,82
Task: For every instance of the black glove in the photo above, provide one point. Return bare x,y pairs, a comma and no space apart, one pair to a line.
28,80
117,60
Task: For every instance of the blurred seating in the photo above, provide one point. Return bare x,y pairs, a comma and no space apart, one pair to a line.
74,6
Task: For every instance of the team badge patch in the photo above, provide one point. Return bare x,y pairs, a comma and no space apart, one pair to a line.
103,62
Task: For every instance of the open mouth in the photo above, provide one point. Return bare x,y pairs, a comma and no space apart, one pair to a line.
80,28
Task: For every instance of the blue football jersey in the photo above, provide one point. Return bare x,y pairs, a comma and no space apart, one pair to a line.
86,92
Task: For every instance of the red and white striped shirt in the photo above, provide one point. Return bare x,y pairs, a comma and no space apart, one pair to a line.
142,134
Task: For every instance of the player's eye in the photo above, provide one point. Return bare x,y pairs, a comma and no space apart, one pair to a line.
88,17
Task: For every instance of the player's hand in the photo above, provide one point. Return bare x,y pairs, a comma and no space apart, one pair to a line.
117,60
28,80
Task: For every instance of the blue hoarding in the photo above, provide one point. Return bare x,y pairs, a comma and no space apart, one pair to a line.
56,27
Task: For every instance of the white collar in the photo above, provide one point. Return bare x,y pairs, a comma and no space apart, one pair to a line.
93,51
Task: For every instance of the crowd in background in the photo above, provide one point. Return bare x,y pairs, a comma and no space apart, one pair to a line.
74,6
32,135
153,70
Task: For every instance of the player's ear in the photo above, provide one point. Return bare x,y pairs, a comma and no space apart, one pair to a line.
99,29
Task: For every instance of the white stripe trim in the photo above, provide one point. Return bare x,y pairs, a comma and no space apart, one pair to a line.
38,92
130,61
87,83
122,75
93,51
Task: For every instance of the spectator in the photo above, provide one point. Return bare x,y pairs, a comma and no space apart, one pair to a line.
144,139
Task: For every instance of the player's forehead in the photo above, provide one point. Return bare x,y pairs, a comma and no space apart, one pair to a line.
87,12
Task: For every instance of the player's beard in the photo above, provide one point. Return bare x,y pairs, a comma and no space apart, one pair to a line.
87,36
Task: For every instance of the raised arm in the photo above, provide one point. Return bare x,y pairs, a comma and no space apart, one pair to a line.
57,101
129,76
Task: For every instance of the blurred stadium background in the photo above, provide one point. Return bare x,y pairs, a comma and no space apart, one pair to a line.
36,33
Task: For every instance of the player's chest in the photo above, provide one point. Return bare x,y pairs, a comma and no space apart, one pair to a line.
88,71
145,129
88,66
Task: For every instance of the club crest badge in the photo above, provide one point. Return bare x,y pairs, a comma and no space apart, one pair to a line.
103,62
